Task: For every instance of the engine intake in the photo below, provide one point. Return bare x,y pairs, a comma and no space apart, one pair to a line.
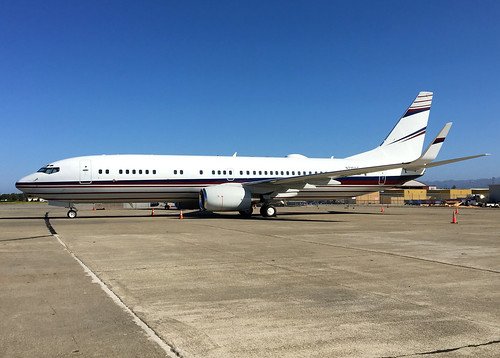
225,197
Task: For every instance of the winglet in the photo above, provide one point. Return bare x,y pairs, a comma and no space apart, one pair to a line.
433,149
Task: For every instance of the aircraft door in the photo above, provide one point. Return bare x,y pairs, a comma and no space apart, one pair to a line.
85,172
381,179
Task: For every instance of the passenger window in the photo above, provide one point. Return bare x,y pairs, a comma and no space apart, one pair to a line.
175,171
126,171
120,171
265,172
154,171
287,172
282,173
218,172
181,171
147,171
260,172
293,172
100,171
107,171
254,172
230,172
140,171
248,172
241,172
224,172
213,171
133,171
201,172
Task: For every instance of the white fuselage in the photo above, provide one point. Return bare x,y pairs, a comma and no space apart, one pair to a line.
150,178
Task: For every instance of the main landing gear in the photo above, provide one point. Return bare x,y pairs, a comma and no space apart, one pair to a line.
267,211
71,213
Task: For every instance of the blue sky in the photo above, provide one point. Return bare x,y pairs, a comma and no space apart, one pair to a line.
263,78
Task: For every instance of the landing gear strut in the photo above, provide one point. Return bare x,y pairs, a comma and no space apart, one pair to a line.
71,213
267,211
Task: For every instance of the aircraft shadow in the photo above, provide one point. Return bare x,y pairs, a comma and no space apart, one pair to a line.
22,218
279,217
27,238
352,212
288,216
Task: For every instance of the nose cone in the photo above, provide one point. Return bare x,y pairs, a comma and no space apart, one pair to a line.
26,182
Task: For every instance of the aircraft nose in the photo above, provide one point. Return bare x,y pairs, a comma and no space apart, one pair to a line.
22,183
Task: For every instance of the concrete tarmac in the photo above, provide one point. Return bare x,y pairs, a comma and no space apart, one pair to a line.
316,282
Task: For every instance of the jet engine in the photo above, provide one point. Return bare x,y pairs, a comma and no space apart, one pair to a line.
225,197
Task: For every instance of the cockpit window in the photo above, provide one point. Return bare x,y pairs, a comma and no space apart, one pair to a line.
48,170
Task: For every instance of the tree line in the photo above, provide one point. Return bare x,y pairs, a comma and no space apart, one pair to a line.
13,197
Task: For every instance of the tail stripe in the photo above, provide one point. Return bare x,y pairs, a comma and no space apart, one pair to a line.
410,136
415,110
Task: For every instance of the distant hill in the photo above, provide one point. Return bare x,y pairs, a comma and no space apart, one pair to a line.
463,184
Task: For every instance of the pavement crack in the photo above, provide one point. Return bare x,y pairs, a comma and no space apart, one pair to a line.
444,350
49,225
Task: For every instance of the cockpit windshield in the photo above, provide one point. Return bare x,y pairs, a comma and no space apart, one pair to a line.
48,170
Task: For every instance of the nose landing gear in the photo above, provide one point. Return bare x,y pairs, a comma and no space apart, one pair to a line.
71,213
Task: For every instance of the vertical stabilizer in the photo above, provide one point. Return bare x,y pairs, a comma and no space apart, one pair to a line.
412,125
405,141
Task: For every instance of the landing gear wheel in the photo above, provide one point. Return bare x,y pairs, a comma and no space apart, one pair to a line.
268,211
72,214
246,213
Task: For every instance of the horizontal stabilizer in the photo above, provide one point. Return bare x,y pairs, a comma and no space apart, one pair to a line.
449,161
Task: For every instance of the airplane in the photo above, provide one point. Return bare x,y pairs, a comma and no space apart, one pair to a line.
233,183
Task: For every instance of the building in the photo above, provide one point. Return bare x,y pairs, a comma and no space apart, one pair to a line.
403,196
448,194
370,198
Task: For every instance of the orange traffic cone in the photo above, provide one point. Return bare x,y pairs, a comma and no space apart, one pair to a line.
153,212
181,216
454,219
382,209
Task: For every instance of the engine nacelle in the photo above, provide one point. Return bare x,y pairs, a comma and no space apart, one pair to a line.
225,197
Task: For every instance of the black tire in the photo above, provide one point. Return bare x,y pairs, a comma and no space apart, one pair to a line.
268,211
246,213
71,214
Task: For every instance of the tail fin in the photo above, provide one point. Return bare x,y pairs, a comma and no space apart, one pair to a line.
411,127
405,141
